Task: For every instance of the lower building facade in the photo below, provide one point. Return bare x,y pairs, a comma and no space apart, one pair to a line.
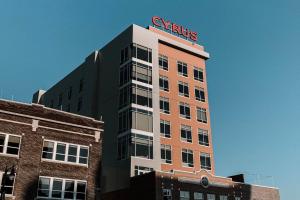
52,154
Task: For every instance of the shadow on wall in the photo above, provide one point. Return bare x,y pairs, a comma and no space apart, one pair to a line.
31,190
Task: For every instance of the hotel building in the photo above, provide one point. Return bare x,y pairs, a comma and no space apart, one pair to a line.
149,86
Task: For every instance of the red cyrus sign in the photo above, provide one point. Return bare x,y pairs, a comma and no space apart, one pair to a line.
174,28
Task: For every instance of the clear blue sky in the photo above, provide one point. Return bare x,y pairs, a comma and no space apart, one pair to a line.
253,73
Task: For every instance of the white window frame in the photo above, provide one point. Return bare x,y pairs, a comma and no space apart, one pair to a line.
163,88
211,196
199,70
13,187
205,166
165,100
165,148
163,58
64,180
165,122
66,153
6,135
223,197
183,64
203,132
198,196
186,105
167,193
186,128
184,195
200,90
203,113
187,151
184,85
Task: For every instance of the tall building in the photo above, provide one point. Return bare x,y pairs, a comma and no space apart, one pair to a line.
149,86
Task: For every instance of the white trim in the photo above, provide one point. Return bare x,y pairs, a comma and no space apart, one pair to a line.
56,129
142,61
140,132
133,105
141,83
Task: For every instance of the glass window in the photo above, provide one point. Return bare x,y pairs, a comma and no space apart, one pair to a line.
166,153
124,121
198,196
81,190
203,137
199,94
57,188
184,110
237,198
142,146
164,105
183,89
141,95
142,120
201,115
44,187
167,194
164,83
163,62
139,170
123,145
223,197
187,158
182,68
124,55
211,197
186,133
205,161
142,53
184,195
165,128
65,152
69,189
141,72
10,144
198,74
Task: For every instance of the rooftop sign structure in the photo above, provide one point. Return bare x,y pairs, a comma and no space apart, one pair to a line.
174,29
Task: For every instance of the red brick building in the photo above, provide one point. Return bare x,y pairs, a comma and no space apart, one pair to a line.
57,155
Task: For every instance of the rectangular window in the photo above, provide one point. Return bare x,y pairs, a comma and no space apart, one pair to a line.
79,104
187,158
211,197
237,198
199,94
198,74
123,147
139,170
141,95
223,197
203,137
163,62
205,161
184,110
167,194
166,153
65,152
140,72
164,83
164,105
183,89
124,121
165,128
184,195
9,144
201,115
141,52
9,184
124,55
182,68
125,74
142,146
198,196
58,188
141,120
186,133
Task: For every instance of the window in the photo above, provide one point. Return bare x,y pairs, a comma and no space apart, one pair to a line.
9,144
182,68
142,146
125,74
141,120
198,74
211,197
203,137
142,53
205,161
141,95
123,147
223,197
9,184
198,196
81,82
65,152
79,104
186,133
167,194
139,170
141,72
187,158
164,105
163,62
184,110
166,153
165,128
183,89
124,55
163,83
70,92
124,121
60,97
58,188
199,94
237,198
201,115
184,195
